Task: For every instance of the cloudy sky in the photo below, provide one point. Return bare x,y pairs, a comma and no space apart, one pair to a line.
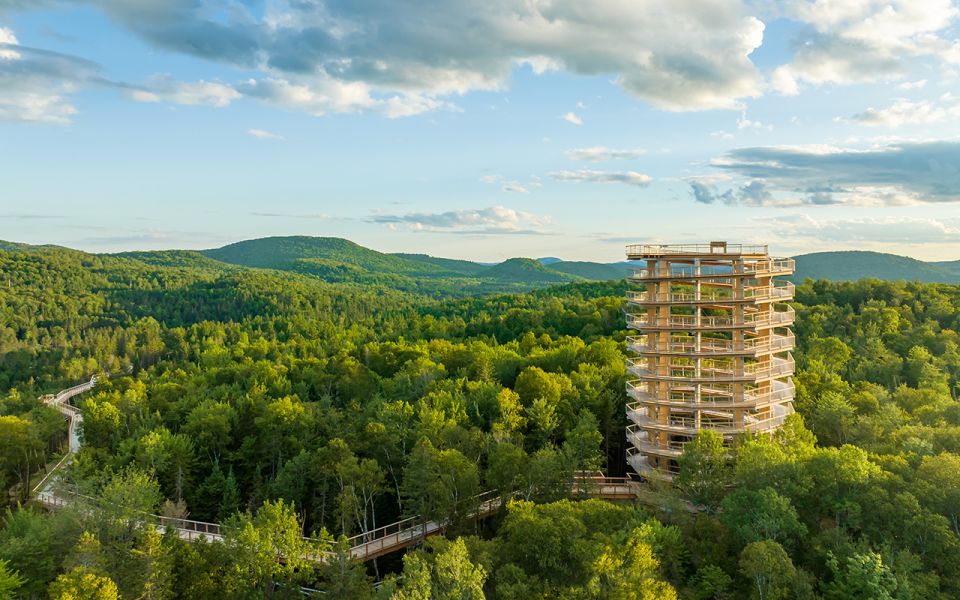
485,129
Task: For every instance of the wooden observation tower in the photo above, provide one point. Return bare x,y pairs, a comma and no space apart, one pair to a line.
711,349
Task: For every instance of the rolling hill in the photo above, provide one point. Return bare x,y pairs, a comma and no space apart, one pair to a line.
592,270
303,253
529,270
857,264
338,260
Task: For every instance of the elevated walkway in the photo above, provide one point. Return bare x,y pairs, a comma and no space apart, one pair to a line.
365,546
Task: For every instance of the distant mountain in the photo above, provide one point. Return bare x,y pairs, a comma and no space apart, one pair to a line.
174,258
527,269
951,266
463,267
591,270
339,260
857,264
317,254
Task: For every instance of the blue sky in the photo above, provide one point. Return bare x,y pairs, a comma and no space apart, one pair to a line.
482,130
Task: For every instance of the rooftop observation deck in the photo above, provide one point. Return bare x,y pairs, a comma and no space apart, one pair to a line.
713,249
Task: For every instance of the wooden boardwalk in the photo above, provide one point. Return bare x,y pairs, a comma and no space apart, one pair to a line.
365,546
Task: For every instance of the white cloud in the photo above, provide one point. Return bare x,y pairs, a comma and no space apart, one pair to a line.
913,85
691,55
261,134
9,39
511,186
572,117
601,154
35,84
885,230
893,175
864,40
203,93
586,175
902,112
161,88
744,123
491,220
322,95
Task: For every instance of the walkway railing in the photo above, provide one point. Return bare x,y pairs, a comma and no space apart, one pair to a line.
365,546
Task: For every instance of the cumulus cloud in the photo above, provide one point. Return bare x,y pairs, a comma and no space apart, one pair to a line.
677,56
889,230
913,85
897,174
572,117
509,186
587,175
491,220
320,95
261,134
601,154
35,84
513,186
8,43
903,112
164,88
857,41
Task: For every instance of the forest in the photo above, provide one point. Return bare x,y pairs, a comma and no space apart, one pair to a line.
297,412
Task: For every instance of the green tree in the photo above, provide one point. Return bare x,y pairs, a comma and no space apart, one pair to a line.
582,444
10,580
705,469
940,486
267,549
19,446
449,574
831,418
769,569
710,582
342,576
83,584
440,484
861,576
758,515
629,571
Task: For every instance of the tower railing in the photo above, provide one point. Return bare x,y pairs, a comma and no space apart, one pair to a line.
782,290
687,322
641,344
773,266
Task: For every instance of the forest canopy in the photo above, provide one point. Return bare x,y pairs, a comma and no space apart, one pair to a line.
280,405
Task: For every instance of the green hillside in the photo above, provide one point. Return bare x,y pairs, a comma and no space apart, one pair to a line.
853,265
590,270
174,258
289,253
527,269
463,267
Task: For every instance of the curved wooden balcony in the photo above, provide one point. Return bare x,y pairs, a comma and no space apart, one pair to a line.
777,318
764,268
639,440
772,369
638,251
780,392
780,291
756,346
718,422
